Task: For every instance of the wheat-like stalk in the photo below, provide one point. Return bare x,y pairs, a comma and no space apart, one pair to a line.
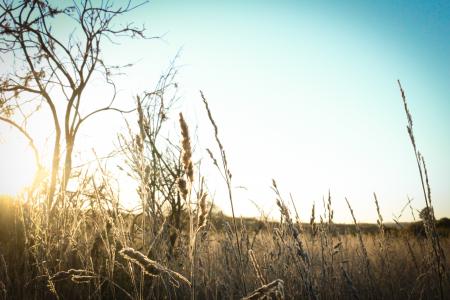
293,230
305,261
151,267
182,186
82,278
383,245
187,151
202,217
259,274
312,221
430,220
69,274
226,174
275,288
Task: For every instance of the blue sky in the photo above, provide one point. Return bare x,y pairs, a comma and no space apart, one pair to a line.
305,92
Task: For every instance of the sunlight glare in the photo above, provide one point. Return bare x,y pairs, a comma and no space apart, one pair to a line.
17,161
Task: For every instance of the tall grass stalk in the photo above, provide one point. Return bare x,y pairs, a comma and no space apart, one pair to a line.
226,174
429,218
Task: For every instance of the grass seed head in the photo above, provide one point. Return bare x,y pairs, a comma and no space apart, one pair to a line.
187,151
151,267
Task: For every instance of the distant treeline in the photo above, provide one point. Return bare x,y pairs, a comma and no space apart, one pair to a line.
219,221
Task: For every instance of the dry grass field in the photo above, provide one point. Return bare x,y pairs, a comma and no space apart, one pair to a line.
95,253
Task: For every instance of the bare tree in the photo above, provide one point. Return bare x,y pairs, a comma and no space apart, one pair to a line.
53,70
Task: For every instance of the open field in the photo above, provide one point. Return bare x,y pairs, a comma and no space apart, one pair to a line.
81,256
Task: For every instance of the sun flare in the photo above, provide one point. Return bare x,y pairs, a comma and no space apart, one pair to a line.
18,165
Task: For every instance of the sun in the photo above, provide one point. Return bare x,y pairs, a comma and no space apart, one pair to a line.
17,163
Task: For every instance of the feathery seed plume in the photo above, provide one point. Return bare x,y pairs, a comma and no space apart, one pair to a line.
187,152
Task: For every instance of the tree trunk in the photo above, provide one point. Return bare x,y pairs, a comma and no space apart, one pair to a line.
55,168
70,140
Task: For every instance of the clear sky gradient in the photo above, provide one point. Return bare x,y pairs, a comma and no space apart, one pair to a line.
305,92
